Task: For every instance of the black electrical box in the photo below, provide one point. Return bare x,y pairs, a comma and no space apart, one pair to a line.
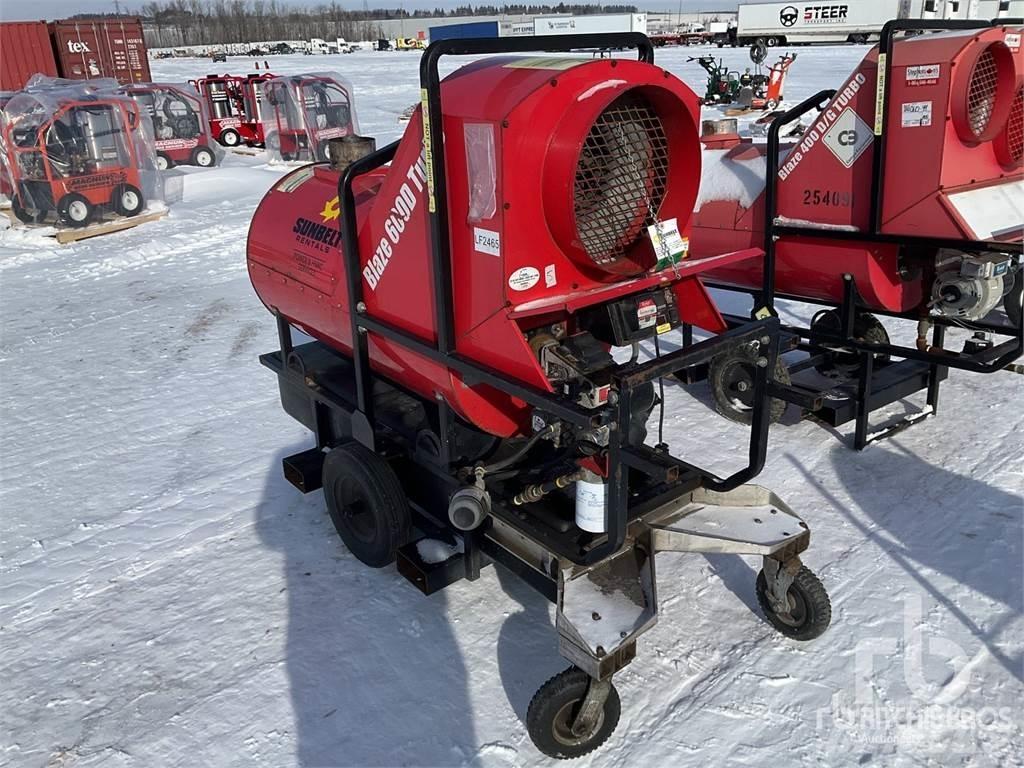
633,318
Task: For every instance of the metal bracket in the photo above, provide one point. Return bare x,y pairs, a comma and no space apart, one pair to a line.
749,520
602,610
587,719
779,576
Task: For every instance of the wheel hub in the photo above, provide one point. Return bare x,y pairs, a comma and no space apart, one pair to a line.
356,509
562,725
739,384
796,614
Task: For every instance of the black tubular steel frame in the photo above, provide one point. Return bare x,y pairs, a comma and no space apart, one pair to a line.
988,361
762,334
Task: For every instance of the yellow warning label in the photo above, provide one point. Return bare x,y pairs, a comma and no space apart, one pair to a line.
545,62
664,328
428,156
880,95
762,313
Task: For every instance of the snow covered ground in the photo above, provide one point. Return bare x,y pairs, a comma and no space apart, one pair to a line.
167,599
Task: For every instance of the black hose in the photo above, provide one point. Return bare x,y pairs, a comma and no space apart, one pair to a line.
512,459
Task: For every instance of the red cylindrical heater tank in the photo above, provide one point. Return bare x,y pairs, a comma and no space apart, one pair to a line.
556,167
952,166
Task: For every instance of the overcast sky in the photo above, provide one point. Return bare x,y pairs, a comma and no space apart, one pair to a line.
13,10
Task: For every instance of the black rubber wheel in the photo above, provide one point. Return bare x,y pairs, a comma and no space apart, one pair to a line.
127,200
203,157
75,210
230,138
553,709
321,152
27,215
731,376
163,162
367,503
1014,298
866,328
810,611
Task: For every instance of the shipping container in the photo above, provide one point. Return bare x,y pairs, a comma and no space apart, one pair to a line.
25,50
461,31
101,48
590,24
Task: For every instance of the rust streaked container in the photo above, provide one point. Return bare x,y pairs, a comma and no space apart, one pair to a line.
24,50
101,48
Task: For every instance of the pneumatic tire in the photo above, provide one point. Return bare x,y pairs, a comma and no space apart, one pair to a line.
75,210
810,610
731,376
553,709
127,200
827,324
367,504
203,157
30,214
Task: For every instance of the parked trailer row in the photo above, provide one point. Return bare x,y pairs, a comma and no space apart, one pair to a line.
74,49
587,24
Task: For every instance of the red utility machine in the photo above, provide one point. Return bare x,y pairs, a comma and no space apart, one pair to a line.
234,107
75,159
461,385
181,124
914,212
301,113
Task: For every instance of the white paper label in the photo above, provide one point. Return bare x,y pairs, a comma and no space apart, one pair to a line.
487,241
1012,40
924,74
524,278
917,114
550,279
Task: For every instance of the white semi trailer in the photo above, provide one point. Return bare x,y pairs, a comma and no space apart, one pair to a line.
590,24
853,21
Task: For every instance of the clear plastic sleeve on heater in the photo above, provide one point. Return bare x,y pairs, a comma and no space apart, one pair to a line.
302,113
482,174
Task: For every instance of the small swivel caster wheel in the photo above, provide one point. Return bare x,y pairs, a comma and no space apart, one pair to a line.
556,722
806,612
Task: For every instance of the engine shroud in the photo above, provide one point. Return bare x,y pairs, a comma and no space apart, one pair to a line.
555,168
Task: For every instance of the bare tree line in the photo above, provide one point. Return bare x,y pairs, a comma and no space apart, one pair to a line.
170,23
